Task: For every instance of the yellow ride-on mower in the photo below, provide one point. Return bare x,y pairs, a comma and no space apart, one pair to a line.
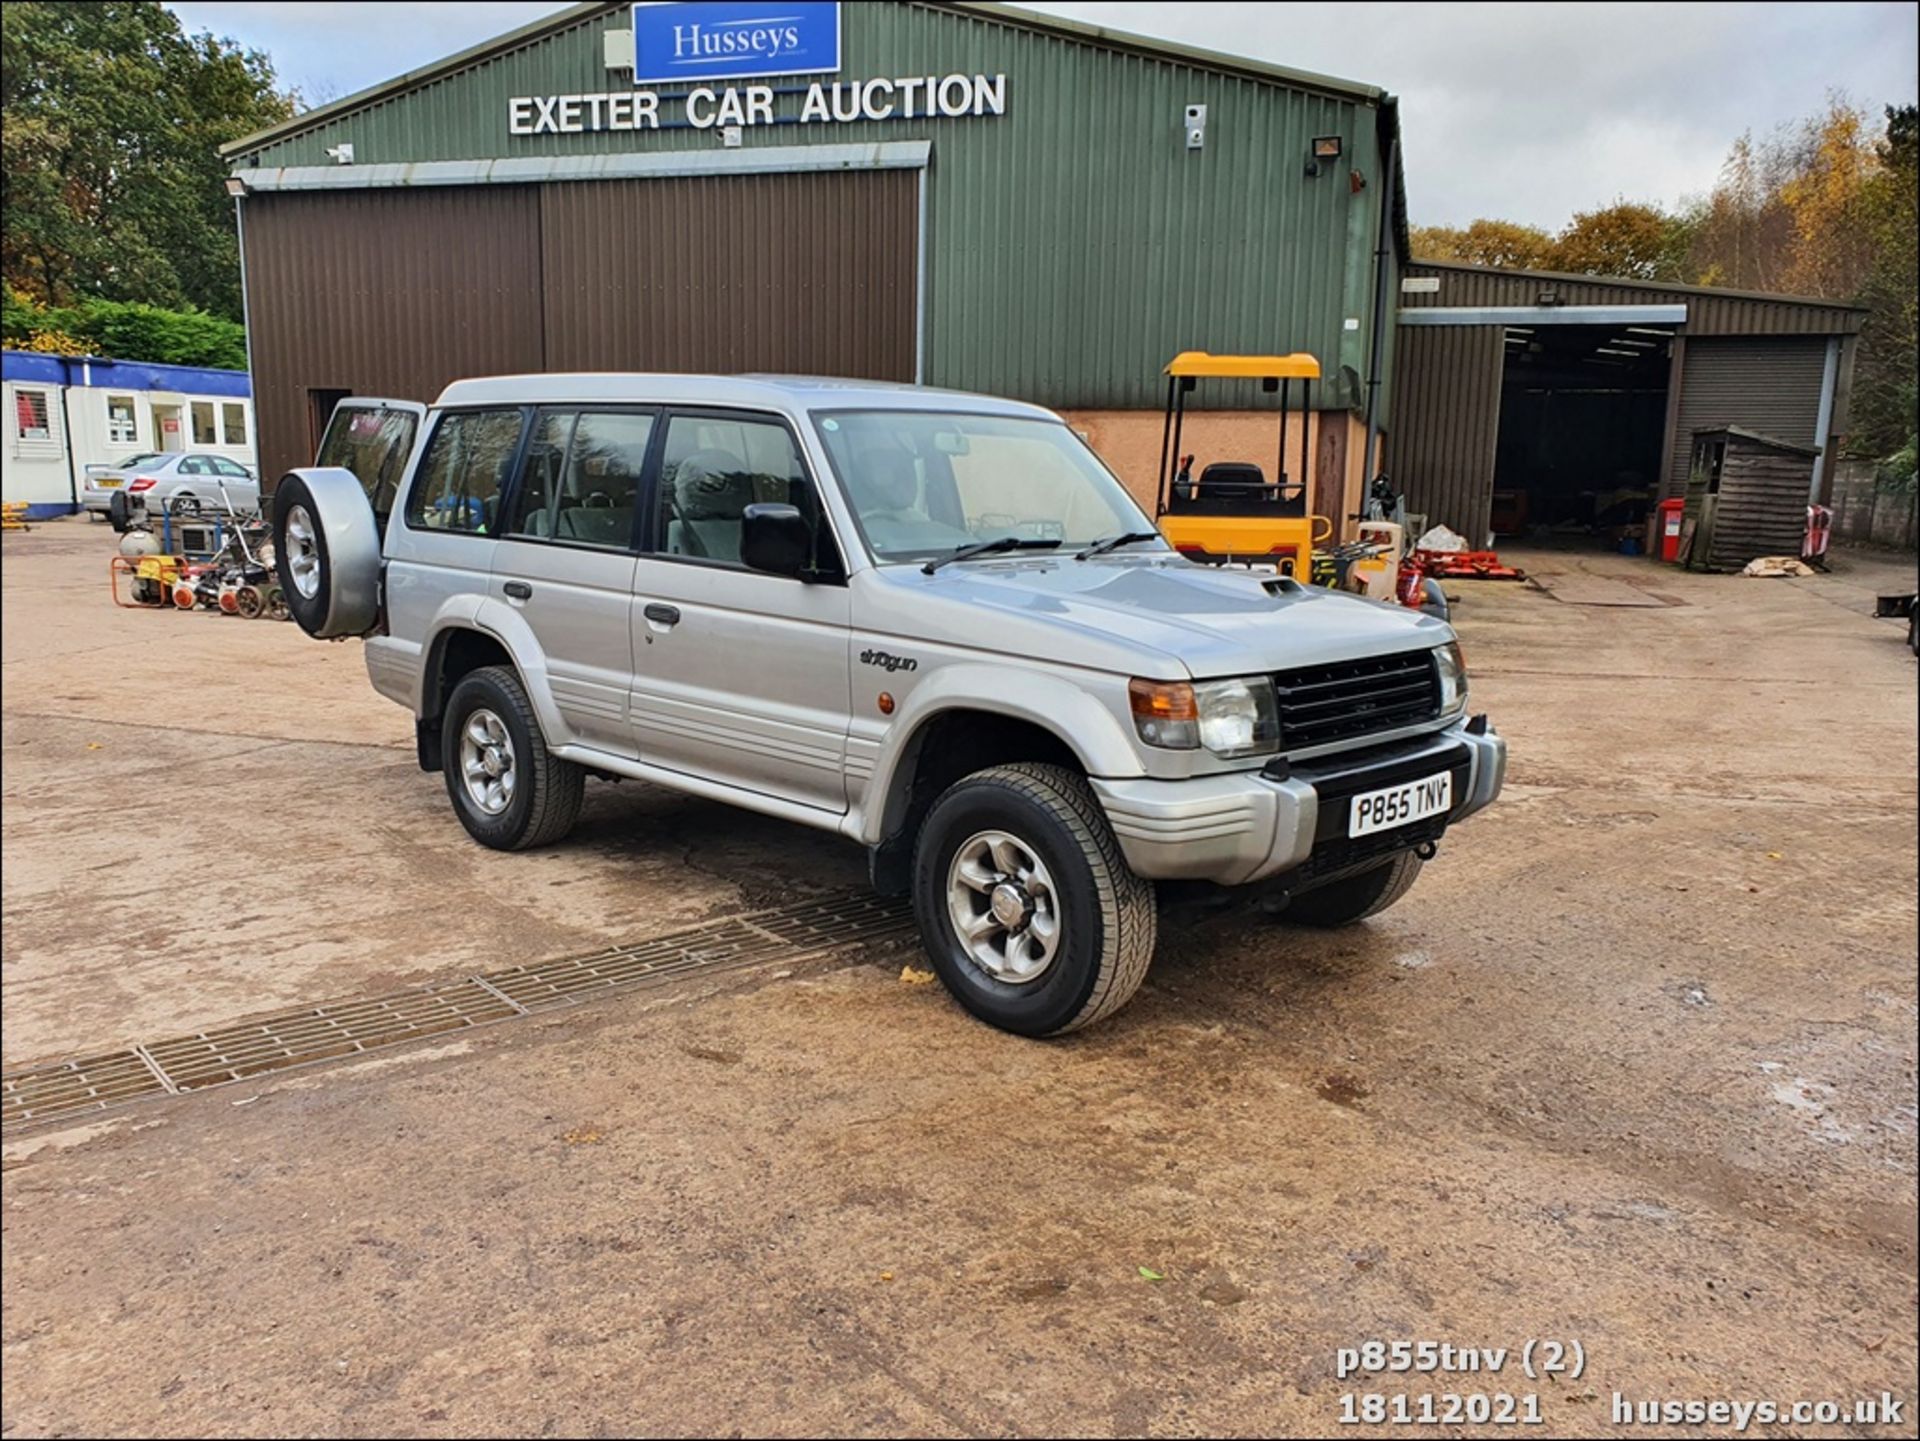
1231,511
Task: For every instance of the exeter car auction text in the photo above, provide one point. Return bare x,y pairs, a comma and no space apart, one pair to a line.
912,97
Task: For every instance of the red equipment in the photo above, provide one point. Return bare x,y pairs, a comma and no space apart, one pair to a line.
1819,533
1670,512
1464,565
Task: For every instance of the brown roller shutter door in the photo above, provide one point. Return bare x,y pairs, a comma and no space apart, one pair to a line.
1770,385
1446,422
805,274
397,292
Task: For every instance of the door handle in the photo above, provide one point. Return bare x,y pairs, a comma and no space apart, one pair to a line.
662,614
517,590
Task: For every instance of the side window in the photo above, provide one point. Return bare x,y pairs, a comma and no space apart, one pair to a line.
582,477
714,468
203,433
459,482
229,468
122,426
233,422
193,465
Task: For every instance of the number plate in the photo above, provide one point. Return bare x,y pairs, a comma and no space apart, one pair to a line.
1400,805
103,483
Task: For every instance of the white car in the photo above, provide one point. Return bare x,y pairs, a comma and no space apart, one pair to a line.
182,482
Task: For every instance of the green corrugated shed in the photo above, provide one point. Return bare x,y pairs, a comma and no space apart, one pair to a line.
1074,244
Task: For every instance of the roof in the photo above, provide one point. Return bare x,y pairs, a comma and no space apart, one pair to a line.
1009,14
1772,442
100,373
786,392
1664,286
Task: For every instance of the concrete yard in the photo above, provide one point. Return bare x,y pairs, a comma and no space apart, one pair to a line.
1632,1066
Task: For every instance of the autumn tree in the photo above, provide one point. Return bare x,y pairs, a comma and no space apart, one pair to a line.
114,183
1885,394
1484,242
1639,242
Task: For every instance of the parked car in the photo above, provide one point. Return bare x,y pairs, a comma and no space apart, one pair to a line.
931,623
181,481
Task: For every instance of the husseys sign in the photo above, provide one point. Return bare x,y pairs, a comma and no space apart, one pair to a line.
679,45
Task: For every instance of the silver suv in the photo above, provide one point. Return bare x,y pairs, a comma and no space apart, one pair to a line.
932,623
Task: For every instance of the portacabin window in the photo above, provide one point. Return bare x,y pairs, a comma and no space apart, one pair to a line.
233,422
203,432
464,471
123,424
32,414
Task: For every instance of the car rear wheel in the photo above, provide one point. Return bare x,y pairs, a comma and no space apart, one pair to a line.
509,790
327,552
1354,898
1026,905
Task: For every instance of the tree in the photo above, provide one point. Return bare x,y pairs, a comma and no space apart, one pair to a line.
1639,242
114,183
1885,393
1485,242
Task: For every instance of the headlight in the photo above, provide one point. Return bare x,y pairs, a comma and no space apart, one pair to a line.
1228,717
1453,677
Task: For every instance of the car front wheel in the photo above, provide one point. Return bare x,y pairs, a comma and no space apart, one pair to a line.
509,790
1026,905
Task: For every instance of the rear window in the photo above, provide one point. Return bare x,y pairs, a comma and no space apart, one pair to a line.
374,444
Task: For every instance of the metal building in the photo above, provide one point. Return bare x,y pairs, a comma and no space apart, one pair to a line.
1556,391
963,194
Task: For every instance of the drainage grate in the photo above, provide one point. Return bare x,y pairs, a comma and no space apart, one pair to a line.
340,1029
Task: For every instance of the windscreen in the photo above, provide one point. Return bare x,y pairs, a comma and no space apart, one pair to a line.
924,483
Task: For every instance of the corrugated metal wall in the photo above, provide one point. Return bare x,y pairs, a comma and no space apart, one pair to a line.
1768,385
1075,243
810,274
1446,423
385,293
1709,312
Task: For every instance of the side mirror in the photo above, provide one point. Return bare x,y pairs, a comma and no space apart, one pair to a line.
776,538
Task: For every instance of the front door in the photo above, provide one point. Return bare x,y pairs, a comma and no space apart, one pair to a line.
168,432
565,561
739,676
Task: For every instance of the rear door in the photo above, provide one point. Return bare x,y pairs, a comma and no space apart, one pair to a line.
374,439
565,560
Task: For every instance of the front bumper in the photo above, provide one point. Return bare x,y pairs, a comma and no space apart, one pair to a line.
1253,825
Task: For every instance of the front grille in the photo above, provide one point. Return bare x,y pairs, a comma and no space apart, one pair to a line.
1324,703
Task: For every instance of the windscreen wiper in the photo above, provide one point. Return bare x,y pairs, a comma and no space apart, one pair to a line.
988,547
1114,542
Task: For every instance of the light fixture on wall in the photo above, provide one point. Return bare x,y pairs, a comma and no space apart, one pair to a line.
236,187
1326,150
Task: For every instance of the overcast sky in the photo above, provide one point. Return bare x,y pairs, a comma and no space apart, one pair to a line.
1523,111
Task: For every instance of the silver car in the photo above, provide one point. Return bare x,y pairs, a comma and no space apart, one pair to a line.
933,624
183,482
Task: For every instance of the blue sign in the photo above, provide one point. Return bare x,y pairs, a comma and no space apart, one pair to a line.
734,39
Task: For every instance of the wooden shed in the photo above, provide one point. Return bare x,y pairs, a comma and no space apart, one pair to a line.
1747,496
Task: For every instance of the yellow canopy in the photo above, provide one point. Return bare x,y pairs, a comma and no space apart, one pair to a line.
1246,367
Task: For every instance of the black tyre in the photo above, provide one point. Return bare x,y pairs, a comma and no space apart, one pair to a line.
1354,898
508,790
119,512
1025,903
326,553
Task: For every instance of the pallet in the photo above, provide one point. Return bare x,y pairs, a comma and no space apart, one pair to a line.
13,515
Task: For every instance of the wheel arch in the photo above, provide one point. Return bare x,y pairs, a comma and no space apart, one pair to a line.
467,639
945,737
